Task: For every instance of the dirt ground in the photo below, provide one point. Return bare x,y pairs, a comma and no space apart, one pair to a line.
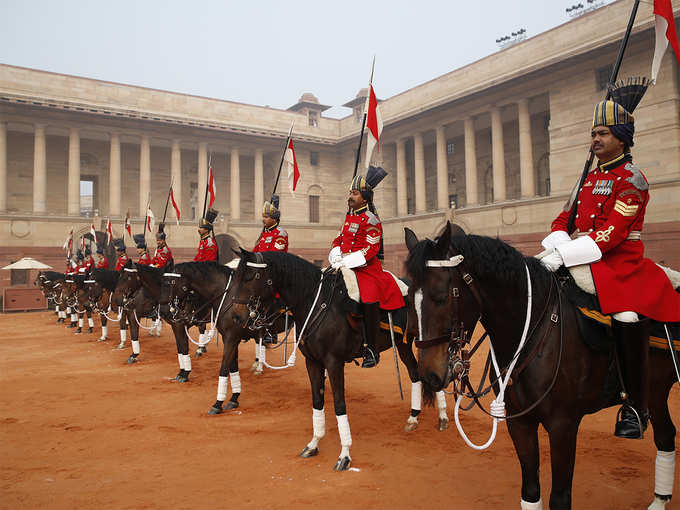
82,429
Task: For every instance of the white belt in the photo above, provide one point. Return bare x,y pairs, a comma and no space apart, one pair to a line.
634,235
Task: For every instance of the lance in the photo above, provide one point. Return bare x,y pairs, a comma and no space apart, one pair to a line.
207,182
612,79
146,218
167,200
283,156
363,124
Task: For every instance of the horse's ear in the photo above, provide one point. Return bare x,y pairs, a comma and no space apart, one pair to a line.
445,238
457,230
169,266
128,264
410,238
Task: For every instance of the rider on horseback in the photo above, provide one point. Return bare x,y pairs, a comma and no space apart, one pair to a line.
88,261
358,246
120,253
611,209
273,237
102,261
207,248
140,242
162,256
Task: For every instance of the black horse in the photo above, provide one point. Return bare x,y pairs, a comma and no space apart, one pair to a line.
138,301
557,377
49,283
330,335
100,288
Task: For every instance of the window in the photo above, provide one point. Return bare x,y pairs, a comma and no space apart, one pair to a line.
313,118
19,276
314,216
314,158
453,199
450,148
88,188
602,76
193,199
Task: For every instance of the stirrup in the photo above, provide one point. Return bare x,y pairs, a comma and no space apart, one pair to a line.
370,359
629,423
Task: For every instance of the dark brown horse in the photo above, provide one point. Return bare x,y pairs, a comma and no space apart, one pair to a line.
557,379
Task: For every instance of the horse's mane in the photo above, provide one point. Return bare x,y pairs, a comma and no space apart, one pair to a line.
153,272
484,257
200,270
53,275
107,278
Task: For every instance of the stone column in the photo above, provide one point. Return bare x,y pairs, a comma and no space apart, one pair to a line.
471,193
74,172
259,184
3,165
144,173
402,196
176,172
419,163
526,154
114,175
202,176
235,182
39,170
442,170
498,155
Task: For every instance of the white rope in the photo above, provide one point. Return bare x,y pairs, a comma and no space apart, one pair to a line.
292,358
213,319
498,404
140,324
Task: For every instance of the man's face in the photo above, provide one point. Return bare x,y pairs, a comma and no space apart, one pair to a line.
202,231
120,253
160,243
268,221
140,251
355,200
605,145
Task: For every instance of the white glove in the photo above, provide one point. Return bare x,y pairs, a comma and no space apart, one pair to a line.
338,264
335,256
553,261
554,239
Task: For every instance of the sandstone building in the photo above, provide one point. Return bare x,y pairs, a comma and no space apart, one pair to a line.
497,145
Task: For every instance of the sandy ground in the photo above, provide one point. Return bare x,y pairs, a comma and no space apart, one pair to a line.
81,429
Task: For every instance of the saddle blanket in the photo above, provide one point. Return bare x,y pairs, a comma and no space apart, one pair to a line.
584,277
353,285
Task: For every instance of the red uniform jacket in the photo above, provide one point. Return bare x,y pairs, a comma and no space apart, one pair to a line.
103,263
144,259
88,263
272,239
161,257
362,231
122,260
611,210
207,250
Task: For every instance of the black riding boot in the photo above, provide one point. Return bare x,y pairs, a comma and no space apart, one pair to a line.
371,328
632,344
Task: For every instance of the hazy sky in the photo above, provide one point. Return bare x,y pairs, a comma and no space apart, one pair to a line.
265,52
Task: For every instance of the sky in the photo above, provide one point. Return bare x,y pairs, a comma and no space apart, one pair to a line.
265,52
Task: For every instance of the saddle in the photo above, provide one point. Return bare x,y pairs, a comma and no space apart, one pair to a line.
595,326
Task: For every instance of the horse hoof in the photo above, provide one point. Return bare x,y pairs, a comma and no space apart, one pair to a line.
183,378
198,353
443,424
342,464
231,405
215,410
89,330
102,339
257,372
410,426
310,452
132,359
120,346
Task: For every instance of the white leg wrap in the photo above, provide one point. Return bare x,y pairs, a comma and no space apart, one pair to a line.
187,362
222,382
74,317
626,317
159,326
105,331
135,347
56,308
441,404
345,435
319,423
263,354
664,473
180,360
90,322
417,395
80,323
62,315
201,340
525,505
68,310
235,382
123,335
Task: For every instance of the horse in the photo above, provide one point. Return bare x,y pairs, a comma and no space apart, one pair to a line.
139,302
100,288
328,335
84,305
49,283
558,378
